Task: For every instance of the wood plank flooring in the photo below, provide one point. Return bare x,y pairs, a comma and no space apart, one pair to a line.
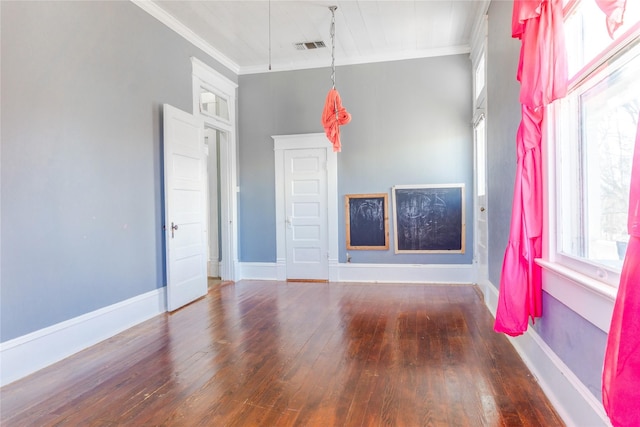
295,354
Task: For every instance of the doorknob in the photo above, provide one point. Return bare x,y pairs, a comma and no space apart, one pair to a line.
174,227
482,209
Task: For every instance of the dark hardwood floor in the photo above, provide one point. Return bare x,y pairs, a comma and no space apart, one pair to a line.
306,354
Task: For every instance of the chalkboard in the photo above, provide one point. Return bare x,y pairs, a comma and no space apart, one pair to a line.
429,218
367,221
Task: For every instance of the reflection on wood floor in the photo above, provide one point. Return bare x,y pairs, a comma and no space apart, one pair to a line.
306,354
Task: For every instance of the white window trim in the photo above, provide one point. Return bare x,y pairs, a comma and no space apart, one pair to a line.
590,298
478,52
607,276
589,295
206,77
220,121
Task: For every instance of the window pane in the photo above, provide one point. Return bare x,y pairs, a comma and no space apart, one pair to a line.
598,183
586,32
481,161
213,105
480,76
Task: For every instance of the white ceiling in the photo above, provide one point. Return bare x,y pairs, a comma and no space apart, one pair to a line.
247,36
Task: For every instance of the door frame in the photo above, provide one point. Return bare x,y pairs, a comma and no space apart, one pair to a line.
207,77
478,56
281,143
213,219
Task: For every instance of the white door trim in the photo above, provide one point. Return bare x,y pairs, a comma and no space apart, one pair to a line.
213,239
478,58
203,75
300,141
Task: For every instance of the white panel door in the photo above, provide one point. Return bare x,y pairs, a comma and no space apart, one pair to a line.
185,210
306,214
481,226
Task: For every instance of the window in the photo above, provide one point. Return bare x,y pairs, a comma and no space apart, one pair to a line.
480,78
479,132
586,34
595,127
213,105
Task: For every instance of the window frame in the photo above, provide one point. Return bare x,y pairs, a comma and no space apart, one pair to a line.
568,110
587,288
208,88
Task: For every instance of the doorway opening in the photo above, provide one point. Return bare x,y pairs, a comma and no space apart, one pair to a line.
214,244
299,153
214,100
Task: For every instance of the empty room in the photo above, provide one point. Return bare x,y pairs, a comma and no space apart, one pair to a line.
320,213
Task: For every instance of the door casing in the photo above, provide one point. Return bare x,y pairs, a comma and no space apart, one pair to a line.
205,76
305,141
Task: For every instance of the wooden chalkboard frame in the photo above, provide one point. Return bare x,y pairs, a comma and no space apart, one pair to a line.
379,240
429,218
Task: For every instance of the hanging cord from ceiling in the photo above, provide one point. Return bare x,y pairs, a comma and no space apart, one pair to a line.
269,35
332,33
334,114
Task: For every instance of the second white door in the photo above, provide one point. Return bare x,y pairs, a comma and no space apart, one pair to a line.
481,255
185,229
306,218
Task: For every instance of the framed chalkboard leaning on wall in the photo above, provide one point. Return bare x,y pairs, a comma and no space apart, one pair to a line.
429,218
367,221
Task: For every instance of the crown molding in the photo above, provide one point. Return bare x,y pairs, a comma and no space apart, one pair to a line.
161,15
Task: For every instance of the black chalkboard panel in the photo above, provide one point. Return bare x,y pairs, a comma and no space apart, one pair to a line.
429,218
367,221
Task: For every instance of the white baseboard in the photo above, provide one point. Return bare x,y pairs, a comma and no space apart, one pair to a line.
213,268
490,297
377,273
29,353
257,271
406,273
570,397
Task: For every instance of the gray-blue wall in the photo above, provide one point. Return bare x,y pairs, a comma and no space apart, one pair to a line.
576,341
81,200
83,85
411,124
503,117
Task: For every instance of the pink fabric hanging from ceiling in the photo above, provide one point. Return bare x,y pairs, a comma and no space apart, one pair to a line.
542,72
614,9
334,116
621,373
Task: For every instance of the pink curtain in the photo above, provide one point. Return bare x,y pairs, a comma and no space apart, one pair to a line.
614,9
542,72
621,374
621,371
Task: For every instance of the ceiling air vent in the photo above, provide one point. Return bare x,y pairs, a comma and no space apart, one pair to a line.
309,45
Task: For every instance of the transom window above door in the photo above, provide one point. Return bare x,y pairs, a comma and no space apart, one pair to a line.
213,105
